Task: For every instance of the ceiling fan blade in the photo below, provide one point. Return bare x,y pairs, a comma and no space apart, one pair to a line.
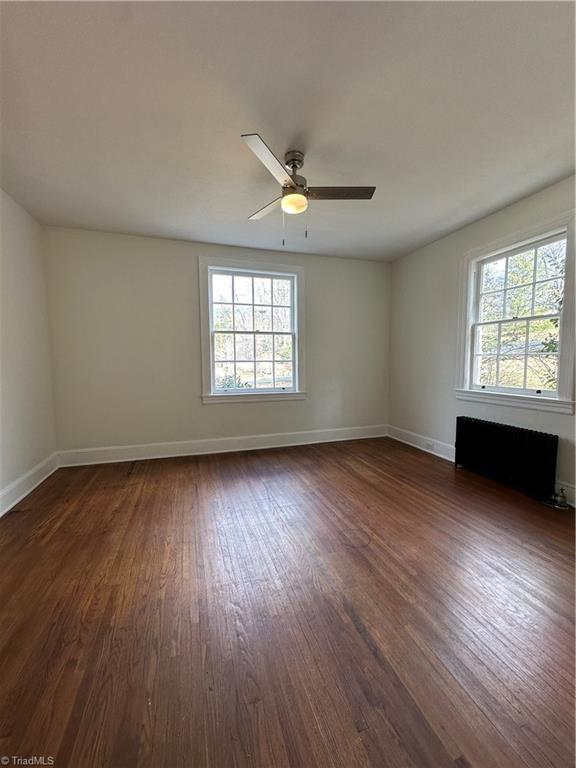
266,210
340,193
268,158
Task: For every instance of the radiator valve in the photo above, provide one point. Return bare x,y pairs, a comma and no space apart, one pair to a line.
559,500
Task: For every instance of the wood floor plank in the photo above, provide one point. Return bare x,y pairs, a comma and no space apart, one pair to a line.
352,605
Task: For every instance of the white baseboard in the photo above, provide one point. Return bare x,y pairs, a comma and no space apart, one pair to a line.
428,444
25,484
447,451
114,453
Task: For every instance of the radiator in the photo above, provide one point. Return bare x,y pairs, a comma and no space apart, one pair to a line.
522,458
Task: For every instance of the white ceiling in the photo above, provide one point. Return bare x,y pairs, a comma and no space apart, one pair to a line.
127,116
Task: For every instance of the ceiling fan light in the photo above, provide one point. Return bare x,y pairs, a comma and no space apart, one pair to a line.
294,202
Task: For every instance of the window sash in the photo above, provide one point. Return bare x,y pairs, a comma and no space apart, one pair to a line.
522,285
293,333
524,390
527,245
516,319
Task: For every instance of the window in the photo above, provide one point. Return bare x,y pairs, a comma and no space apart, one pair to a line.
518,338
252,332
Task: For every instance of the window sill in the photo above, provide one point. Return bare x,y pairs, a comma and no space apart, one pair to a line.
253,398
516,401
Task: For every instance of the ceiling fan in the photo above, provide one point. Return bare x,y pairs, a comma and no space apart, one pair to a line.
295,189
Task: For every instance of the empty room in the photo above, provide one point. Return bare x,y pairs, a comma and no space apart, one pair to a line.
287,464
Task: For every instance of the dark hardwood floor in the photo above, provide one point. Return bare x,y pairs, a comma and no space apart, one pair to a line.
349,604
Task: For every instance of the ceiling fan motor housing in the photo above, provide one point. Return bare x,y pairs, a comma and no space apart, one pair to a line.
300,185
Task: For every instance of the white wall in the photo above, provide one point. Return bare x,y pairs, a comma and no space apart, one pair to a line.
125,324
424,320
27,434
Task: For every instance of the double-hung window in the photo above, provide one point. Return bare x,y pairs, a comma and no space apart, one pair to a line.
519,341
252,344
517,325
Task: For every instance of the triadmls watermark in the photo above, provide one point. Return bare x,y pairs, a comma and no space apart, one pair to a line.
30,760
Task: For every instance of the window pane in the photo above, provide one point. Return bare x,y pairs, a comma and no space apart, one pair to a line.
222,317
511,372
243,317
491,306
224,376
487,338
281,317
264,348
242,289
245,375
519,302
544,335
513,338
486,370
262,318
264,375
282,292
222,288
262,290
548,297
542,372
551,260
244,346
223,346
283,374
282,347
493,275
521,268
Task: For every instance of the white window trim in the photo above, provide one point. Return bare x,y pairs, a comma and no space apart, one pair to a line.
564,402
249,265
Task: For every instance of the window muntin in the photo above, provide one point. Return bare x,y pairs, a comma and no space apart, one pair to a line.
253,331
517,317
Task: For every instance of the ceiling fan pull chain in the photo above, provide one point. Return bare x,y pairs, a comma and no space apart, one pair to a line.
306,226
283,229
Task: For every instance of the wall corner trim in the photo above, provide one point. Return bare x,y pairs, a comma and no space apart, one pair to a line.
25,484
